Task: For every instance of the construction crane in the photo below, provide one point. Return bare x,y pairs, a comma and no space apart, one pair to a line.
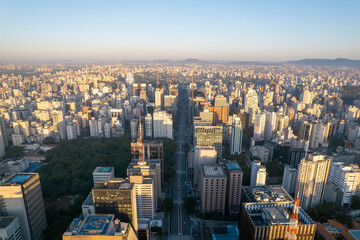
292,229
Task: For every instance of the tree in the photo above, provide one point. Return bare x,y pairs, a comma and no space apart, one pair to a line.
169,204
189,204
355,202
344,219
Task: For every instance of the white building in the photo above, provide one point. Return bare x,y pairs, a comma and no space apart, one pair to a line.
148,126
145,202
236,136
162,124
71,131
343,183
94,131
289,179
129,78
270,124
313,175
259,125
103,174
133,128
251,104
258,174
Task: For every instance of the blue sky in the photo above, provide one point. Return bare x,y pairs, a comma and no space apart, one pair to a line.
269,30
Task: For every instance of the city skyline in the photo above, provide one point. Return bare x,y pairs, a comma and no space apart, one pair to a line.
230,31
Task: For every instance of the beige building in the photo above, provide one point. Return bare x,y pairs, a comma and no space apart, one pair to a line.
21,197
203,155
313,175
212,188
234,183
99,227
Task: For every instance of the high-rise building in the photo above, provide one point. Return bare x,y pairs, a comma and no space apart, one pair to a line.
289,179
145,199
116,196
266,214
236,136
170,104
209,136
162,124
21,196
251,104
203,155
259,126
313,174
99,227
147,169
270,124
343,183
103,174
129,78
148,126
159,98
258,174
133,128
319,134
10,228
234,184
94,130
212,187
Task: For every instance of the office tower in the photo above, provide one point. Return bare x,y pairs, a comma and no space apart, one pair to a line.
202,155
259,126
313,175
57,117
21,197
289,179
99,227
207,115
10,228
145,200
148,126
236,136
266,213
234,184
251,104
162,124
103,174
343,183
258,174
159,98
133,128
170,104
209,136
153,153
94,130
212,186
116,196
129,78
270,124
220,114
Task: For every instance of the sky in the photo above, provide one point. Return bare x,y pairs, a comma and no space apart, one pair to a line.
253,30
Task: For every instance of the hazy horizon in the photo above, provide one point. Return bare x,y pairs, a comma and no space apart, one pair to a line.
207,30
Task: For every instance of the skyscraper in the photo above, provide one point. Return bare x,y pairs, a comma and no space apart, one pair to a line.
259,126
236,136
21,196
270,124
116,196
289,179
234,184
212,187
162,124
313,175
251,104
209,136
258,174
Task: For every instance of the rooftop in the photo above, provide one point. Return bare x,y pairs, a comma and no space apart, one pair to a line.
224,232
114,183
213,171
103,169
96,225
266,194
233,166
355,234
19,178
276,215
